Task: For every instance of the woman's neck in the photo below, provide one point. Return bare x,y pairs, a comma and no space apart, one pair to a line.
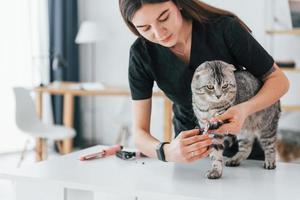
183,46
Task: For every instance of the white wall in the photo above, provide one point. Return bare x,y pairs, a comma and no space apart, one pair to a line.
258,15
112,59
111,64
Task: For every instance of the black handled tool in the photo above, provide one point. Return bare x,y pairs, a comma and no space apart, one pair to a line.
129,155
212,126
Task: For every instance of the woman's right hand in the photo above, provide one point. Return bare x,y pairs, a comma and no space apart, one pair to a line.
187,147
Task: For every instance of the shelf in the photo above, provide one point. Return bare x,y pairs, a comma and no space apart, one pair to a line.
291,70
287,108
295,31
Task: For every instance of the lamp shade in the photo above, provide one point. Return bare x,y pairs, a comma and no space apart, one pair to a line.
89,32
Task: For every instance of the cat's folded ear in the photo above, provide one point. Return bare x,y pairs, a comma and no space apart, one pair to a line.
200,70
201,66
196,76
231,67
227,65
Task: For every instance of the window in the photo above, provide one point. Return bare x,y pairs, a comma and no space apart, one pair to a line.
22,61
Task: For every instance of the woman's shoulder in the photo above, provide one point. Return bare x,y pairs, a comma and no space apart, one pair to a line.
141,52
224,21
139,45
218,25
220,21
142,49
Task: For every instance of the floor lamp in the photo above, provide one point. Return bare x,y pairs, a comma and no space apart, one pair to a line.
89,34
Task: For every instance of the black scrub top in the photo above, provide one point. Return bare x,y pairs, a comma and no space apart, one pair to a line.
221,39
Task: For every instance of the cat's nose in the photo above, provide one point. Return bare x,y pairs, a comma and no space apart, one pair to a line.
218,96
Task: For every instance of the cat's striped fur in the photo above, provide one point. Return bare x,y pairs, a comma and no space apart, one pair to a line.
215,88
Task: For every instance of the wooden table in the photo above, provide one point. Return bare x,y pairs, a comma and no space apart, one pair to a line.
67,178
70,89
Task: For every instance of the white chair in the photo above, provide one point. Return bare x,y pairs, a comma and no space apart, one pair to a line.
28,122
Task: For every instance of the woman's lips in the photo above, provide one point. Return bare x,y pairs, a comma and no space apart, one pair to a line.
167,39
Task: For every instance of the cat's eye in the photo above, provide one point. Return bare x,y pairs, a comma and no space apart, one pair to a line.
225,86
210,87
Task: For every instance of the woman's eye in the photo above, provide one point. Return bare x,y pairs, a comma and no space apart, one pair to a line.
146,29
210,87
164,19
225,86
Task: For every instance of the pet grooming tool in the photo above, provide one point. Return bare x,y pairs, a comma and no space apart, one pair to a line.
213,125
128,155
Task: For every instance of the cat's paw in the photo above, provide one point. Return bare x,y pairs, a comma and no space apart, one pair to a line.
232,163
213,174
269,165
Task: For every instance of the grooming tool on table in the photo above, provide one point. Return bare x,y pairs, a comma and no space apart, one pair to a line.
103,153
213,125
217,137
128,155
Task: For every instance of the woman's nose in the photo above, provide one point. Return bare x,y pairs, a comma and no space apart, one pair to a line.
159,32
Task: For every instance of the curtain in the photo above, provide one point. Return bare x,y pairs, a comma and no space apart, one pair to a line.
64,59
39,21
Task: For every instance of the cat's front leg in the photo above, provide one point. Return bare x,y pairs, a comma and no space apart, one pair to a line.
245,147
217,162
268,145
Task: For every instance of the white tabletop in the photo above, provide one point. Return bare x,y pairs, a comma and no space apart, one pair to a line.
152,178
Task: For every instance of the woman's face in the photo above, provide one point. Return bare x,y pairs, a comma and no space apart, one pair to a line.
159,23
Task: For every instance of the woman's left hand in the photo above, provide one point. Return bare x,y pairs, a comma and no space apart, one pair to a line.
236,115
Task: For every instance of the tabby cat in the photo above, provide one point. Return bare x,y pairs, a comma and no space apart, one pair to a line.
216,86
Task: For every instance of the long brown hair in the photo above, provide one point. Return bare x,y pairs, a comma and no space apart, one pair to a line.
190,9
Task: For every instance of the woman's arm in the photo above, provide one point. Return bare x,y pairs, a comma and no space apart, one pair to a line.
141,127
188,146
275,86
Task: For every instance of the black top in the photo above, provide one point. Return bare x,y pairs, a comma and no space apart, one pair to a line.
223,39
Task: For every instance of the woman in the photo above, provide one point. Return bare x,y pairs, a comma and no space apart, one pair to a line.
174,38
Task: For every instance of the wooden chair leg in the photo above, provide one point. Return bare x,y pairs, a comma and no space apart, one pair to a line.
59,146
67,145
45,153
64,146
38,149
41,149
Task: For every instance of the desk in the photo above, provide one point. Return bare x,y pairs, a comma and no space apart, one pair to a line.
67,90
147,178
